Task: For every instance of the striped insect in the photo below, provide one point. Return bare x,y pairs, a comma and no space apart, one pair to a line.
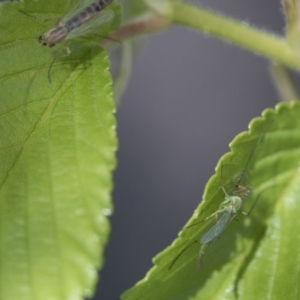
85,17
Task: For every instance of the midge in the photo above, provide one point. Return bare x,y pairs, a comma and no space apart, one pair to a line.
226,211
82,19
224,215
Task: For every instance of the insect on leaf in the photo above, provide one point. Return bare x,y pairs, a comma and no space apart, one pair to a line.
254,254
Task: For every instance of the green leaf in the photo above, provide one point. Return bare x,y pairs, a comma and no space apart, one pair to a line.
57,153
256,257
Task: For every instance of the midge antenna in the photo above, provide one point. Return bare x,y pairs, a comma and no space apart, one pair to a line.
262,135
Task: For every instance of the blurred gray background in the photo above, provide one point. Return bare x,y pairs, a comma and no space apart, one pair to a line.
188,96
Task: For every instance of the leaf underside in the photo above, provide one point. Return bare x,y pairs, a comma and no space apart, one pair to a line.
258,256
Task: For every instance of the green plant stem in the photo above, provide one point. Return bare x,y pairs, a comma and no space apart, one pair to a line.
283,82
256,40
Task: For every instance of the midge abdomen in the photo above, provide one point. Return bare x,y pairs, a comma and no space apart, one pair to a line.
87,14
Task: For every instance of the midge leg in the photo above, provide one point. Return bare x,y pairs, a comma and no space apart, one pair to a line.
52,63
257,198
249,212
179,254
215,214
222,207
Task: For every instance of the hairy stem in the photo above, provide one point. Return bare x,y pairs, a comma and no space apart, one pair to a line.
256,40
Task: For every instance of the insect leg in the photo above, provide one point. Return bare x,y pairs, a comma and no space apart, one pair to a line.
215,214
257,198
262,135
51,65
179,254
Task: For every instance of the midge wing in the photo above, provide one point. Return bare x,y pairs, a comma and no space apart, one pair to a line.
78,8
217,228
91,25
